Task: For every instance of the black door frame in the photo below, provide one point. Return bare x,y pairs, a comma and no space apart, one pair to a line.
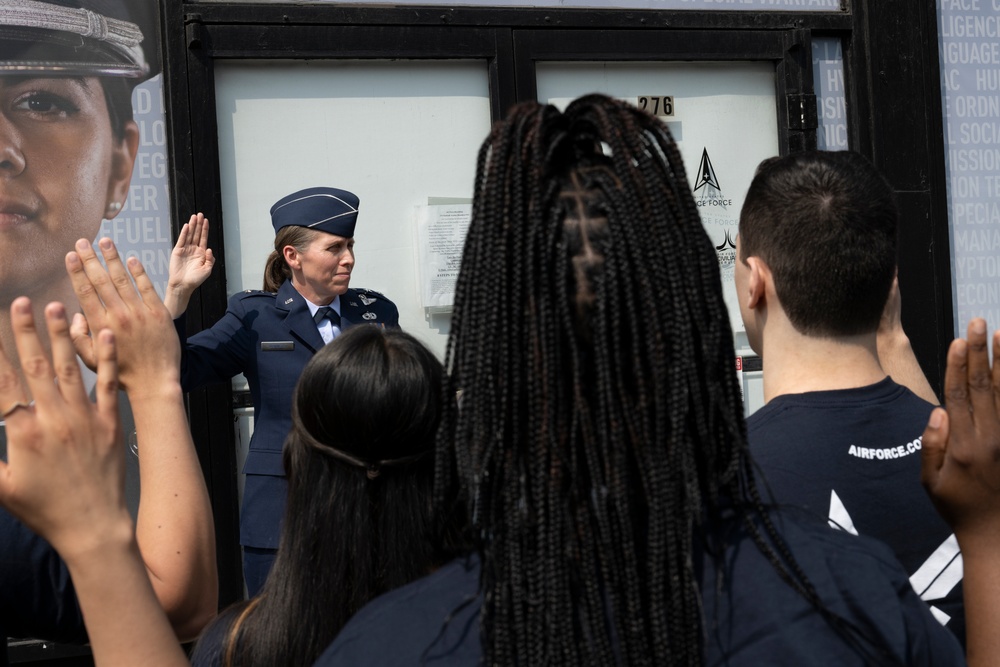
879,74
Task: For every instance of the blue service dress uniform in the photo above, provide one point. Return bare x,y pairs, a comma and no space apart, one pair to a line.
269,338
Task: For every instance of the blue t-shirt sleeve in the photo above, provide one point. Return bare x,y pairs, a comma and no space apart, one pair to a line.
866,585
929,642
753,616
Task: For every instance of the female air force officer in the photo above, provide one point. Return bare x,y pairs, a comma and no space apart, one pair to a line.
270,335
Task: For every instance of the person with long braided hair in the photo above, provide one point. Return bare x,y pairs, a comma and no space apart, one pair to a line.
599,446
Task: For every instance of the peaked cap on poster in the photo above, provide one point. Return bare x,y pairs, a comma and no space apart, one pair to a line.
108,38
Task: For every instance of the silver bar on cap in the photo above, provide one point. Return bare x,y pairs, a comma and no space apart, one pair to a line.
83,22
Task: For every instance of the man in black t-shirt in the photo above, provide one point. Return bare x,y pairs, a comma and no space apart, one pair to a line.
816,267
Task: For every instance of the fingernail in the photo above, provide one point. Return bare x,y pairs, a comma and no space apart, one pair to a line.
82,244
935,420
979,326
105,243
72,259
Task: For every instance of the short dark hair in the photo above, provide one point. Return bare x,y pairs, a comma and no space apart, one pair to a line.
825,224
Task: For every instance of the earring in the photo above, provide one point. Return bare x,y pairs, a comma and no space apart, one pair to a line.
113,208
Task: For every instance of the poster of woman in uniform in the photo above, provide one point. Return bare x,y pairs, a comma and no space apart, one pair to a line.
82,141
82,147
82,155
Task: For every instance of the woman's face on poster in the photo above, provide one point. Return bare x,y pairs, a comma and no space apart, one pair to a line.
61,167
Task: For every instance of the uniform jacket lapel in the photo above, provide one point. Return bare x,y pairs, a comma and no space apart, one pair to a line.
350,311
298,321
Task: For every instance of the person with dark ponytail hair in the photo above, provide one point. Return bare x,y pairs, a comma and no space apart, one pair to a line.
270,335
599,445
276,270
360,464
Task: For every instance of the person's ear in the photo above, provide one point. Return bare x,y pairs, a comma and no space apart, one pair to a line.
758,280
120,176
291,256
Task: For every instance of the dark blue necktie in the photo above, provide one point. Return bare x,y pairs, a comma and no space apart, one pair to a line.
327,313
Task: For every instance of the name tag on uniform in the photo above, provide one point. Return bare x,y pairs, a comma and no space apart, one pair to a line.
277,345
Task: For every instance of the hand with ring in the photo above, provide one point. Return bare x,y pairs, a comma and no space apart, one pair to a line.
63,441
65,479
13,406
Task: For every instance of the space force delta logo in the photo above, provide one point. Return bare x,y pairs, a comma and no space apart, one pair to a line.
707,190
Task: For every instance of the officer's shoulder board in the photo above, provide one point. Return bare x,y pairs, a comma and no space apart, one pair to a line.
362,290
253,294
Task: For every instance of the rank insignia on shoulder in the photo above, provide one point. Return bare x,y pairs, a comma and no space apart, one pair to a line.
289,300
369,315
367,300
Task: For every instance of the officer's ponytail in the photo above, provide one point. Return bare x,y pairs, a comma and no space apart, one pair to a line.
276,270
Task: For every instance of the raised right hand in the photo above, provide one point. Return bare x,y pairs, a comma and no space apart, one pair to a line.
148,350
961,445
191,263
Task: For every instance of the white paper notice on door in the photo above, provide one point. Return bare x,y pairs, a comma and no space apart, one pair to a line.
441,230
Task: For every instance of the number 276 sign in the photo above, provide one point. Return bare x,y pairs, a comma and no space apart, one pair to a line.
658,105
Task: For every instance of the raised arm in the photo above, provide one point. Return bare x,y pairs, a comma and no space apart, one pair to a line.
174,526
65,479
895,353
961,472
191,263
